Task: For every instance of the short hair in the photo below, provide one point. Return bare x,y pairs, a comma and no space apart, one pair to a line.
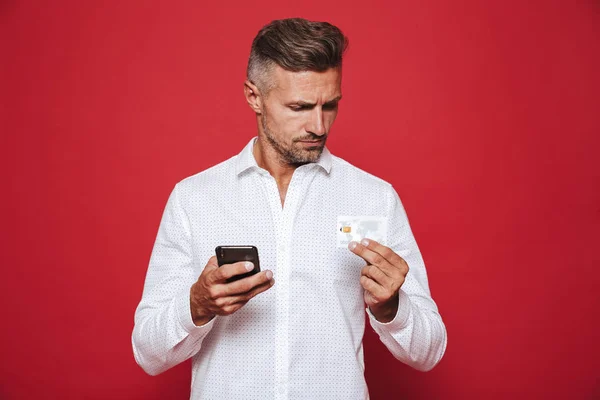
295,44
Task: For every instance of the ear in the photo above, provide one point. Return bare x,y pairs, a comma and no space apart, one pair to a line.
253,97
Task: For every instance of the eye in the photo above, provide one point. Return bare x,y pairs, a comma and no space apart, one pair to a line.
330,107
299,108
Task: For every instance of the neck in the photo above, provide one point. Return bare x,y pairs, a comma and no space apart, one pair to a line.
267,158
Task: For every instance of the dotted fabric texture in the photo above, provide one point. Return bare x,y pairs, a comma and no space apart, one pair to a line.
301,339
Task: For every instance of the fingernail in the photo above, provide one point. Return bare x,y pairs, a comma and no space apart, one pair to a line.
352,245
269,275
249,266
364,242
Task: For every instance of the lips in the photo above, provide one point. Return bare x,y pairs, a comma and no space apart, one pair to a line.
311,141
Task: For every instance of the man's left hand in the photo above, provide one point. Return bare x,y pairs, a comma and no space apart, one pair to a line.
382,277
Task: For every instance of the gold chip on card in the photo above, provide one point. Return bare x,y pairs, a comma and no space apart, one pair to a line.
346,229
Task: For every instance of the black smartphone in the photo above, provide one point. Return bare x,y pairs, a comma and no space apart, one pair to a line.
233,254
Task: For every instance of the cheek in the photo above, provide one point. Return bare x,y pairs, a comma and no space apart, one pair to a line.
330,118
291,123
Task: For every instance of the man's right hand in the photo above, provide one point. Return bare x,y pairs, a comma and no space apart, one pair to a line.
211,295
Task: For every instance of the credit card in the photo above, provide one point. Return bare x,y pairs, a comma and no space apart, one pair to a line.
356,228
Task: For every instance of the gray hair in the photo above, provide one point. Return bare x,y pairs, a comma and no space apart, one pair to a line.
295,44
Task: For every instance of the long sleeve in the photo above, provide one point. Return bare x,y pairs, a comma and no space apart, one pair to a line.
164,334
416,336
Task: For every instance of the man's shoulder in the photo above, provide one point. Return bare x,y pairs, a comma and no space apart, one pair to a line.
217,174
345,170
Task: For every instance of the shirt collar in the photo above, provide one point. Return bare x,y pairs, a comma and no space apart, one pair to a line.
245,159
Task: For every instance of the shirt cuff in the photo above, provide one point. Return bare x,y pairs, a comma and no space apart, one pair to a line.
401,318
184,313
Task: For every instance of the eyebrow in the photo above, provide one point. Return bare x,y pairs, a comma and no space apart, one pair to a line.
307,104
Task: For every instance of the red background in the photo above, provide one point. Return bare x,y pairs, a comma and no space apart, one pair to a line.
484,115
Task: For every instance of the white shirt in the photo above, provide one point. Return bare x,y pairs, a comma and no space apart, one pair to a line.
301,339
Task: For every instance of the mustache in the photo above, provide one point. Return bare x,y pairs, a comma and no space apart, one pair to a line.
312,137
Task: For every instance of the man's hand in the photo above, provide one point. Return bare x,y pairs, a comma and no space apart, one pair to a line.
382,277
211,295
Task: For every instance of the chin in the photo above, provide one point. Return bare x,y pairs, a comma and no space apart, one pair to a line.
311,154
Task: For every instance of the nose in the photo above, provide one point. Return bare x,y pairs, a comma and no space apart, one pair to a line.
316,124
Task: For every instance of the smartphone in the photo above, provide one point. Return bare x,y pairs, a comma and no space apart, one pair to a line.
233,254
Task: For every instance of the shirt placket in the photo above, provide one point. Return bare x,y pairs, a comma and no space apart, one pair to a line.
283,219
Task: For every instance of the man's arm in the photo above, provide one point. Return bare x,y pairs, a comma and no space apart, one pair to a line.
164,334
400,306
177,308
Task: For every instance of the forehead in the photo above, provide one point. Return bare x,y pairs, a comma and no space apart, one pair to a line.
307,85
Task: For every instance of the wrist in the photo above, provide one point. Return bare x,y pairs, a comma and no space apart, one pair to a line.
386,311
200,321
200,316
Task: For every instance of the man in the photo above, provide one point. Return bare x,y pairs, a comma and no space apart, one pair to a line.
294,330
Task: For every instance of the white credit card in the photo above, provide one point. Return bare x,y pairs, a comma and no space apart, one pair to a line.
356,228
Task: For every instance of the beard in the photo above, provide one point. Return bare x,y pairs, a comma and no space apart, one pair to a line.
292,154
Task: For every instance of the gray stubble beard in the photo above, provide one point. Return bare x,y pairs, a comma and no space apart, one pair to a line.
291,155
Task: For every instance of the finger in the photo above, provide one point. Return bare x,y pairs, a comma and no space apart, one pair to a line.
376,290
227,271
376,274
374,258
213,262
245,285
390,255
369,299
227,305
211,266
245,297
